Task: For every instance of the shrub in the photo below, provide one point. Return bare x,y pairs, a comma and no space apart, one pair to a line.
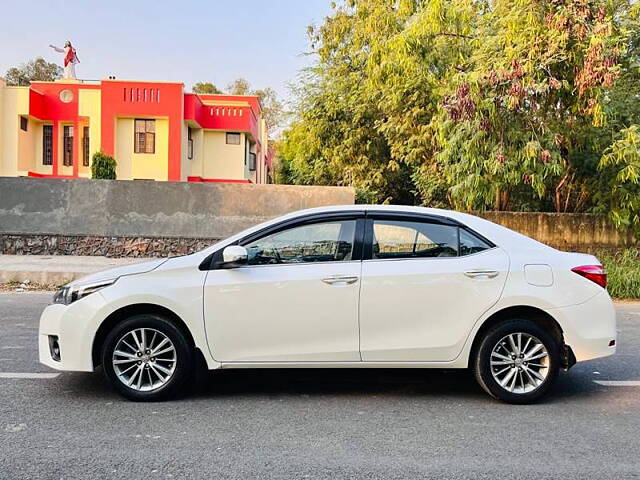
623,272
103,167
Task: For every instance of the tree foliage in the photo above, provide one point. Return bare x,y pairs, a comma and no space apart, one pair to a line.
206,88
471,104
37,69
272,108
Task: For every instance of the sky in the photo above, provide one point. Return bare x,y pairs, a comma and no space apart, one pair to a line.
186,41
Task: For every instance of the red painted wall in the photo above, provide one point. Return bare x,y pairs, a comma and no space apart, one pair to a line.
45,104
144,99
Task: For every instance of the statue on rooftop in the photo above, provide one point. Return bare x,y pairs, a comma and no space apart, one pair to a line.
70,59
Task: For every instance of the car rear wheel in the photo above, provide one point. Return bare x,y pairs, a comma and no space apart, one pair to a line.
147,358
517,361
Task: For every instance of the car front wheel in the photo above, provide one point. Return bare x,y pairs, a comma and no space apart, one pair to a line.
147,358
517,361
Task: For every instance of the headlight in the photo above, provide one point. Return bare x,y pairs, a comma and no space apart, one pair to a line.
70,294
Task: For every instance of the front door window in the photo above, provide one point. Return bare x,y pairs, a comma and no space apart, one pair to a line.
318,242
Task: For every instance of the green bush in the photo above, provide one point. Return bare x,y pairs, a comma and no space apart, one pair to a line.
623,270
103,167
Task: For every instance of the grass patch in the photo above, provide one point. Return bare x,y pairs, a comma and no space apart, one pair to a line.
623,271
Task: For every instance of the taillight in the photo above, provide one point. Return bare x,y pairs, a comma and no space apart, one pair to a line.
595,273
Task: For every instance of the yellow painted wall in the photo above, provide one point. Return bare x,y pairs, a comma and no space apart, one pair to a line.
14,102
141,165
38,167
2,125
26,148
89,101
222,161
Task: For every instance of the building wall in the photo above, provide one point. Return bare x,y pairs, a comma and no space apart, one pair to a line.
2,125
222,161
150,166
15,102
89,107
106,108
37,165
26,147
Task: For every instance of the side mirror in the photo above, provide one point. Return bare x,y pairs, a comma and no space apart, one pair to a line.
234,256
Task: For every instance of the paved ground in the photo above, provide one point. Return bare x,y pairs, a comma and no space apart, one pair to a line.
315,423
55,269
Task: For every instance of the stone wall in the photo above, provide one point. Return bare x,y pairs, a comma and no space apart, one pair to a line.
101,246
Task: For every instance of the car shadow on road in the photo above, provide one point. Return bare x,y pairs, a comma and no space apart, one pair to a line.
319,382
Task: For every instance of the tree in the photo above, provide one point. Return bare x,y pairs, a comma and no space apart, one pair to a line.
363,110
523,123
103,167
206,88
272,108
34,70
469,104
239,86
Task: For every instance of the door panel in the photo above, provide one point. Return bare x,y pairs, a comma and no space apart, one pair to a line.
283,313
423,309
295,301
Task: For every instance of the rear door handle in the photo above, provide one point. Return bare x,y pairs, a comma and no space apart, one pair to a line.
481,272
337,279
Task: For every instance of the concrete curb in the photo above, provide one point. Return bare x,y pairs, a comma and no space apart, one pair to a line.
55,270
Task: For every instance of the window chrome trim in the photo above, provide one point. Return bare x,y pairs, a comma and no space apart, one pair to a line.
430,258
297,264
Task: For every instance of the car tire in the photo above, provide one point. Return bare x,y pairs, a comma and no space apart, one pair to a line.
505,367
147,358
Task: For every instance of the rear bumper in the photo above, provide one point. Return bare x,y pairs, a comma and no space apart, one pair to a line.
589,328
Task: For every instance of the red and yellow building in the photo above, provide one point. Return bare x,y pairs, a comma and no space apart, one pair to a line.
154,130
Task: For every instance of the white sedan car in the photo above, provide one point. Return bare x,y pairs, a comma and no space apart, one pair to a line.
341,287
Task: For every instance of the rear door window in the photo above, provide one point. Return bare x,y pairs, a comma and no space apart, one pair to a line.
408,239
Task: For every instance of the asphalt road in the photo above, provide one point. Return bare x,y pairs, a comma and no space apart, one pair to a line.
297,424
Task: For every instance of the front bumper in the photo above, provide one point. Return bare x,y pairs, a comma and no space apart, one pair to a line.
589,328
75,328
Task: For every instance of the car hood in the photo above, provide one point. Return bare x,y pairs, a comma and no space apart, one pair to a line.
116,272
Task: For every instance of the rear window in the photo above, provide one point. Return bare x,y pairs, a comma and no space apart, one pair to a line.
406,239
470,243
394,239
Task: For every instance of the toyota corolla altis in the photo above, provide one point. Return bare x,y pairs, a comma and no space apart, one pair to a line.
341,287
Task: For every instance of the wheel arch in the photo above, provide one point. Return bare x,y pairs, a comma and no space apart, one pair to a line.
128,311
527,312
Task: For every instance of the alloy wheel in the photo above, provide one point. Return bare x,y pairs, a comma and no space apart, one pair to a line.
519,363
144,359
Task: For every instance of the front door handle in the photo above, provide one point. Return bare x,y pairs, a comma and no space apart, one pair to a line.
337,279
481,273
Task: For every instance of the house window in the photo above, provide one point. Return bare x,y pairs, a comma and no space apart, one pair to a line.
67,145
24,123
47,145
233,139
145,136
85,146
189,144
252,162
